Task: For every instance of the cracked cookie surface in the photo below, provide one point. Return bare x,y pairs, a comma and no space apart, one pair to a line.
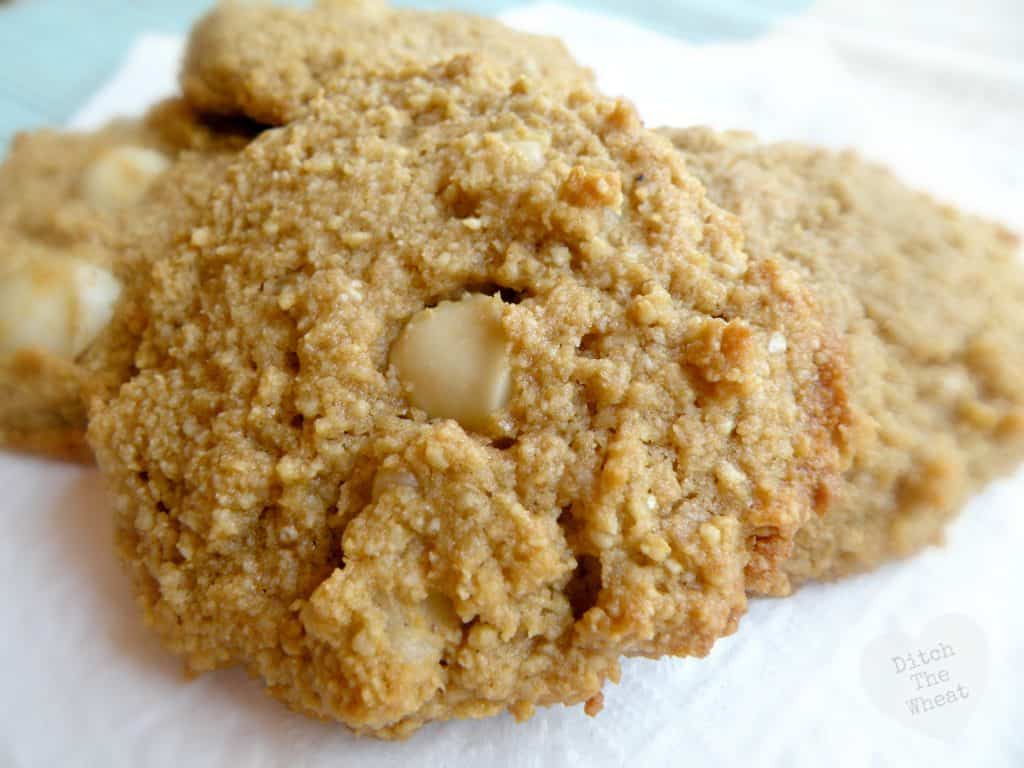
931,304
645,415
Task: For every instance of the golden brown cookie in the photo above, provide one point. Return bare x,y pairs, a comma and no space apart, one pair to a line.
461,391
267,63
931,303
64,199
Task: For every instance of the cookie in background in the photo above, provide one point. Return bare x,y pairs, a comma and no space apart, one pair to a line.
930,302
66,199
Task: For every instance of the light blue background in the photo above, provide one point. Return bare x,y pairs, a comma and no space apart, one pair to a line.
55,53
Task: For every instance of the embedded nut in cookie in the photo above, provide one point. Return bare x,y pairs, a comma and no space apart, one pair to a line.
59,307
120,176
453,360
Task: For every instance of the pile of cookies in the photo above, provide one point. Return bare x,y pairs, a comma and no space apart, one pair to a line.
428,382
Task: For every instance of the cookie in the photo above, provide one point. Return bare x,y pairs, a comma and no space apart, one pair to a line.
472,392
267,63
64,198
931,303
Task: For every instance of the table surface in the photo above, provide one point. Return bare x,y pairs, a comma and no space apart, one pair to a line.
55,53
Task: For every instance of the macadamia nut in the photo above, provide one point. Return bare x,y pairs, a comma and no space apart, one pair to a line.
453,360
121,176
58,306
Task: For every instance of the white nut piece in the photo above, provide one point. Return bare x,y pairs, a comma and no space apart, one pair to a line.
453,360
532,152
58,306
387,479
121,176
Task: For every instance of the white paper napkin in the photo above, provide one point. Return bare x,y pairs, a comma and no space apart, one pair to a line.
807,681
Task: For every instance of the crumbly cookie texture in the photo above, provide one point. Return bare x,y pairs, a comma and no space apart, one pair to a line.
64,200
931,303
640,419
267,63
